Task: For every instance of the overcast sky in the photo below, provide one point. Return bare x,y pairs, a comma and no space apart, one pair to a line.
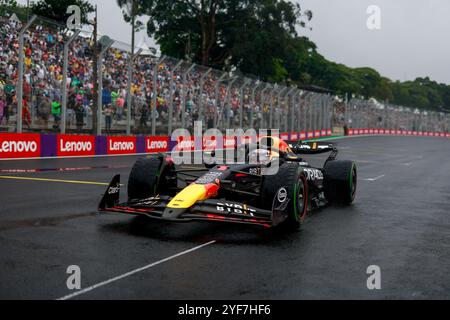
413,40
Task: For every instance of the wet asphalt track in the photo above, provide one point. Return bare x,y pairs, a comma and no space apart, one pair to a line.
400,222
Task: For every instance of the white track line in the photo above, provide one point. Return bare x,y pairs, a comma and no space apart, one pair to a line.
374,179
104,283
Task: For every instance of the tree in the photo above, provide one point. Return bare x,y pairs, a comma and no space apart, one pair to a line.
131,10
57,9
8,5
248,34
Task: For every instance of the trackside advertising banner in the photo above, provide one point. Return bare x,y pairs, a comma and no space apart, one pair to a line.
211,143
357,132
72,146
13,146
156,144
185,144
121,145
284,136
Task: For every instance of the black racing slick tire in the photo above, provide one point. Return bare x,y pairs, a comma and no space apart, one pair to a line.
340,182
291,177
150,177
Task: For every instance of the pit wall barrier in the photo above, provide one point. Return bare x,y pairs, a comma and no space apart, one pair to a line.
31,145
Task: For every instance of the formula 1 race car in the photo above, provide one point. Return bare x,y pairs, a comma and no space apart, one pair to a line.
238,193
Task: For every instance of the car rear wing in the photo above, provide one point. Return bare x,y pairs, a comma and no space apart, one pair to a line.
311,147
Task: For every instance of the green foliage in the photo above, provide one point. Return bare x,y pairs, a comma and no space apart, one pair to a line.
7,6
250,35
57,9
8,3
260,37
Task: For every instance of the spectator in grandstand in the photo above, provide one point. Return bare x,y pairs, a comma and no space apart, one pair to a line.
9,91
44,110
56,113
108,117
120,106
106,97
142,113
26,115
2,107
79,115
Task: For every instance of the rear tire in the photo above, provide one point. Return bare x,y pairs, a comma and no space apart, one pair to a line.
291,177
150,177
340,182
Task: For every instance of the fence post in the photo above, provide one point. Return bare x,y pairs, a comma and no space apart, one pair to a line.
21,70
311,112
272,92
131,60
241,103
306,103
322,103
228,109
105,46
64,83
283,114
155,92
290,110
299,112
183,102
201,106
171,93
332,112
322,112
216,114
253,106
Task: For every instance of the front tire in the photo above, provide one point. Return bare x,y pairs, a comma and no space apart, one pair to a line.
150,177
291,177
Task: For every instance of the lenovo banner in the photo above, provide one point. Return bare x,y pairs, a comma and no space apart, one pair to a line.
121,145
210,143
185,144
70,145
229,142
13,146
156,144
284,136
294,136
303,135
